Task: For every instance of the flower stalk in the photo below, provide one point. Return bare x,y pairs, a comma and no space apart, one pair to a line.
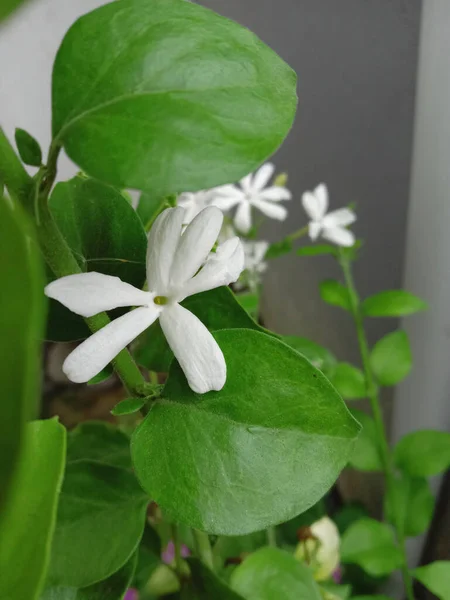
203,548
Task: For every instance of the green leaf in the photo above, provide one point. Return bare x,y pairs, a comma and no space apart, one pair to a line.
149,556
410,505
237,545
349,381
278,249
128,406
28,521
132,116
376,597
23,316
365,456
149,207
435,577
275,409
112,588
392,303
334,293
217,309
29,149
249,302
101,517
203,584
423,453
270,574
371,545
104,374
106,236
8,6
97,441
317,250
318,356
332,591
391,358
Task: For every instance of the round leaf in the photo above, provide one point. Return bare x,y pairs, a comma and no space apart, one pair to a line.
334,293
392,303
262,450
29,149
97,441
171,98
410,505
435,577
391,358
318,356
349,381
423,453
270,573
365,455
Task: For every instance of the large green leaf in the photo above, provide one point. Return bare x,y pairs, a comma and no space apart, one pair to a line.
392,303
112,588
435,577
28,522
101,517
409,505
106,236
349,381
365,455
217,309
168,96
23,315
262,450
391,358
271,574
423,453
371,545
97,441
318,356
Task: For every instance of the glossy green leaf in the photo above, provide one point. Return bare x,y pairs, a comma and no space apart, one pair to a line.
334,293
29,149
271,574
371,545
278,249
149,207
27,525
101,442
423,453
217,309
392,303
275,409
317,250
318,356
112,588
391,358
22,308
365,455
409,505
132,116
8,6
106,236
435,577
101,517
128,406
104,375
349,381
203,584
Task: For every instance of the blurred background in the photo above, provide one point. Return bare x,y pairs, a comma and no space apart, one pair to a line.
374,124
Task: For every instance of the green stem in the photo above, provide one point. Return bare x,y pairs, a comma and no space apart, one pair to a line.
272,536
13,174
297,234
177,546
372,393
203,548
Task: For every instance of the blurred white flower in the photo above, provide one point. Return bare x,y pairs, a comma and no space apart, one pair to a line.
254,253
331,226
252,192
320,548
194,202
173,274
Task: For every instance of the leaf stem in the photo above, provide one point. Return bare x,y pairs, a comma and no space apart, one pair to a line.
297,234
372,393
203,548
272,536
177,547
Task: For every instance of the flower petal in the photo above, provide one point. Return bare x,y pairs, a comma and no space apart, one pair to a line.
247,183
162,244
314,230
312,206
339,236
339,218
221,268
195,245
87,294
275,193
270,209
194,347
225,202
321,193
262,176
90,357
243,217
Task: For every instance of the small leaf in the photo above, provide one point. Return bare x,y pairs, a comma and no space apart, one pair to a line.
410,505
28,522
29,149
318,356
97,441
278,249
371,545
391,358
272,573
317,250
249,302
275,409
349,381
423,453
365,456
435,577
334,293
101,517
104,374
128,406
392,303
203,584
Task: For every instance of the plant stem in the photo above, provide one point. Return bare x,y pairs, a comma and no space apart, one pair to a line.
177,547
272,536
297,234
203,547
372,393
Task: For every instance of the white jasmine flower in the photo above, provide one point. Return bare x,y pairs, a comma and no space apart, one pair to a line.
320,548
194,202
254,253
331,226
173,263
252,191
